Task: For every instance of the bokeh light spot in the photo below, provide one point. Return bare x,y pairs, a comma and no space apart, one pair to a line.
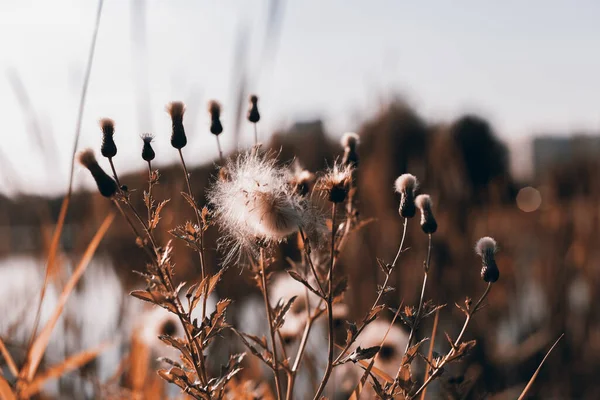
529,199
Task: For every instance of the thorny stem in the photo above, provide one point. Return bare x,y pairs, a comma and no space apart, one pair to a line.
194,346
441,365
270,320
331,345
200,226
416,320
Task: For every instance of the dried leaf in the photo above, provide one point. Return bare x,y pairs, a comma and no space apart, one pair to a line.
296,276
280,312
341,287
360,354
461,350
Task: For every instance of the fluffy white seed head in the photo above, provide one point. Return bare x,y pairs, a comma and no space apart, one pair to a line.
256,203
423,202
87,158
486,245
406,183
350,139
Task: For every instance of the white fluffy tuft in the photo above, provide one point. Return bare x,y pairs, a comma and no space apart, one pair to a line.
350,139
423,202
406,183
256,202
486,245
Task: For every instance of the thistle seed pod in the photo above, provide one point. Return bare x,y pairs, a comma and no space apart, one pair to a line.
108,148
428,222
350,141
253,114
147,151
336,183
214,108
302,180
406,185
486,248
176,110
106,185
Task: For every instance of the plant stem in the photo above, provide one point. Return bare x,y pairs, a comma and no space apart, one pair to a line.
255,134
219,147
270,320
112,166
331,344
401,243
435,371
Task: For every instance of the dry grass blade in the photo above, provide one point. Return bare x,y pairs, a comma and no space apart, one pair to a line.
537,371
9,360
6,392
38,347
431,344
70,364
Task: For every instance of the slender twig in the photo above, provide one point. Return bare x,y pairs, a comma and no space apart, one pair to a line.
114,171
401,243
219,148
309,261
431,346
537,371
149,191
441,365
270,321
255,134
331,343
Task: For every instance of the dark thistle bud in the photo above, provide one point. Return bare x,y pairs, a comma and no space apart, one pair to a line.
428,223
302,181
147,151
486,248
253,114
106,185
406,185
350,141
214,108
336,183
176,109
108,148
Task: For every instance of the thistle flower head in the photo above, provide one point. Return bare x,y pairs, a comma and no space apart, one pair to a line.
214,109
302,180
428,222
176,109
336,183
108,148
256,204
406,185
350,140
486,248
147,151
253,114
106,185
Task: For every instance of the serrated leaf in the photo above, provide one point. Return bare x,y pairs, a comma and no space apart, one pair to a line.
280,312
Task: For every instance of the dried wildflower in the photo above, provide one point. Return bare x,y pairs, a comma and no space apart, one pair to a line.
336,183
486,248
253,114
108,148
428,222
176,109
106,185
214,108
302,180
350,141
256,203
406,185
147,151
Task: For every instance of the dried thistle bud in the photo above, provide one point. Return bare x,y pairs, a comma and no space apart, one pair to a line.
214,108
108,148
147,151
176,109
428,222
106,185
486,248
350,141
253,114
302,180
336,183
406,185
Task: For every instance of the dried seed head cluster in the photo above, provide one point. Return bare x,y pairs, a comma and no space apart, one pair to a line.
256,203
336,183
106,185
253,114
108,148
406,185
302,180
428,222
147,151
214,109
486,248
176,110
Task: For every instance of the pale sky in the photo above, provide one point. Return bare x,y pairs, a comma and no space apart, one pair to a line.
529,66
